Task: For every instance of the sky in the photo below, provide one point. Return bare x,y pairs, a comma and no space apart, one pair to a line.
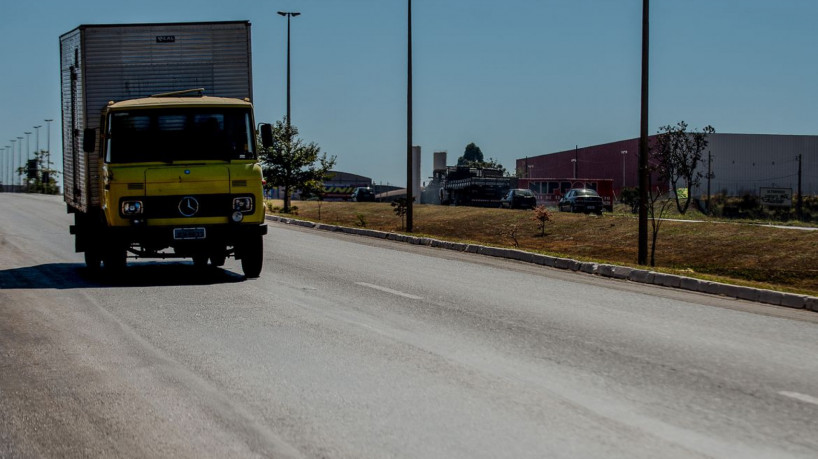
516,77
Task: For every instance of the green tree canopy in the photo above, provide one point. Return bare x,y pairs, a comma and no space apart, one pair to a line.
471,155
293,164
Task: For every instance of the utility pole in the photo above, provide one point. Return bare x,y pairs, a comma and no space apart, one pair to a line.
643,140
799,204
709,176
409,178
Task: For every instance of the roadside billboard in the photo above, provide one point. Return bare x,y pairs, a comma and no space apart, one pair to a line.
776,197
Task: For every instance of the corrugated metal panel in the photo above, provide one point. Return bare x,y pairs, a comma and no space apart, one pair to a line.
121,62
72,115
743,163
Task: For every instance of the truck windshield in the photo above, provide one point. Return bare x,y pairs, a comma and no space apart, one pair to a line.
179,135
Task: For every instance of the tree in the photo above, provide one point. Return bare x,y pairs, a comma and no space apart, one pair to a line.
399,207
292,164
541,216
678,153
660,200
471,155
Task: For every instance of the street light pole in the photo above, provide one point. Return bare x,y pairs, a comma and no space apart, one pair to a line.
37,137
20,156
574,161
28,158
48,129
288,15
11,172
5,166
624,152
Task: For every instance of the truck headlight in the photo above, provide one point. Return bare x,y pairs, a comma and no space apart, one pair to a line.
237,217
131,208
243,204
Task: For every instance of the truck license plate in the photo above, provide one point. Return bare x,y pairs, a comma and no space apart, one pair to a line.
188,233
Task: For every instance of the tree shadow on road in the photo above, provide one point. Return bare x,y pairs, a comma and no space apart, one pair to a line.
76,276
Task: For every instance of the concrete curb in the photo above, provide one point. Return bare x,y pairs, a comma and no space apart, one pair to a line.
789,300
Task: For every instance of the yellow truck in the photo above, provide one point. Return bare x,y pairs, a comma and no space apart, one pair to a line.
153,168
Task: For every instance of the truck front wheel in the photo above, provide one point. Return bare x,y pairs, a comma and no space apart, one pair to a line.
92,259
114,259
252,256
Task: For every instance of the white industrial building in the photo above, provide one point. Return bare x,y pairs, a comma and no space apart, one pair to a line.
739,163
744,163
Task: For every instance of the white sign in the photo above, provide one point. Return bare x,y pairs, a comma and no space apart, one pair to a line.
781,197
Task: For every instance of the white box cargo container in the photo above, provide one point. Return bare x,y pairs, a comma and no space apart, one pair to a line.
102,63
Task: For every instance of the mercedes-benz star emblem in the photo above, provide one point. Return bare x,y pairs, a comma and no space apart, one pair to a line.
188,206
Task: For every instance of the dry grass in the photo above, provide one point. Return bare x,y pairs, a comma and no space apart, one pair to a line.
752,255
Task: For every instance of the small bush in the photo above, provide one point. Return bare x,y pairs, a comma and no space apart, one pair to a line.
541,216
361,220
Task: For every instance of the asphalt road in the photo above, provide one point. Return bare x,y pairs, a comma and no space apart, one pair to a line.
353,347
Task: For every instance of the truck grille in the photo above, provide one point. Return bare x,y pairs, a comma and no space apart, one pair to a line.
209,205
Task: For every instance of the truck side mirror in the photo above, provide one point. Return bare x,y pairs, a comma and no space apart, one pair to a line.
89,140
266,135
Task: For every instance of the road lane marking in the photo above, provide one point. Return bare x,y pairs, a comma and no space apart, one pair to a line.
389,290
801,397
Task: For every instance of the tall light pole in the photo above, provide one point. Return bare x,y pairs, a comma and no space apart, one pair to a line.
48,129
37,137
409,178
28,145
288,15
624,152
5,165
574,162
11,172
28,158
20,149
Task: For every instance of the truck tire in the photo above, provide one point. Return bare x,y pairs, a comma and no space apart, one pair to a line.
92,260
200,260
114,259
252,256
218,256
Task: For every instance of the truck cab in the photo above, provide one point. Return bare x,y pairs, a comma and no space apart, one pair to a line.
179,177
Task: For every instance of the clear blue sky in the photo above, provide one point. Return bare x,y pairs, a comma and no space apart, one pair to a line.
517,77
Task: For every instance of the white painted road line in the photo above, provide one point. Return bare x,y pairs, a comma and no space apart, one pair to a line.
801,397
389,290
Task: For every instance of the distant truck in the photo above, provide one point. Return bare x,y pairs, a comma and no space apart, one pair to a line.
469,186
152,166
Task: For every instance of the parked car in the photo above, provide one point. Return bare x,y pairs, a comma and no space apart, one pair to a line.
363,194
519,199
581,200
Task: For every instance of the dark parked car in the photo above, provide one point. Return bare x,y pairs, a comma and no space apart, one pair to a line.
581,200
362,194
519,199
